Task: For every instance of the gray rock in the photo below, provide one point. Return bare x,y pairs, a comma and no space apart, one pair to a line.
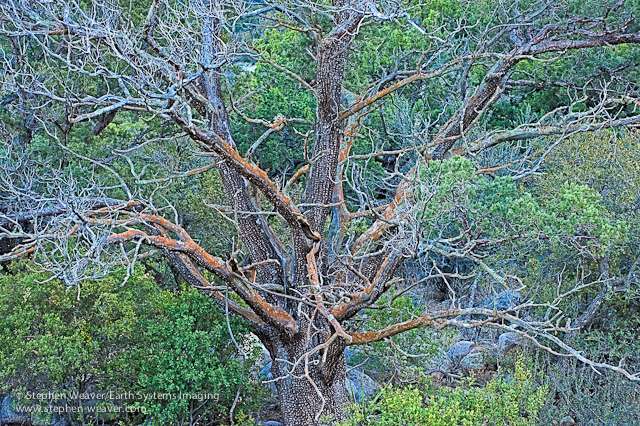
502,301
360,386
445,364
449,361
8,414
508,378
266,356
265,375
349,353
441,363
269,423
459,350
509,341
473,361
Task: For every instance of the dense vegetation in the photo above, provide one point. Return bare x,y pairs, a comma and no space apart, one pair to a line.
109,336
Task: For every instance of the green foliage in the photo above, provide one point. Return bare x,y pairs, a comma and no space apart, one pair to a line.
607,161
552,232
276,94
513,401
105,336
454,197
187,349
589,397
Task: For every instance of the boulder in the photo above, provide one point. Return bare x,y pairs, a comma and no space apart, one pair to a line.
8,413
270,412
449,361
269,423
267,376
459,351
509,341
360,386
473,361
502,301
442,363
349,353
490,354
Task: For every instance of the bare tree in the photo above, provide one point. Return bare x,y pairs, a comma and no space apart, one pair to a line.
300,289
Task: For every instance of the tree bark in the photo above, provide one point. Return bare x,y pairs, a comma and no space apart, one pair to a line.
311,387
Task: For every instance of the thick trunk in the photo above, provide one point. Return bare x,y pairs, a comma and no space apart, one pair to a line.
301,403
311,388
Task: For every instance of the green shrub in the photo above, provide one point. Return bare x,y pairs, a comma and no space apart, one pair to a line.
505,401
107,337
452,196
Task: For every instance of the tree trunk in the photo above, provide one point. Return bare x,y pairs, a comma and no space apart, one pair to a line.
300,401
311,387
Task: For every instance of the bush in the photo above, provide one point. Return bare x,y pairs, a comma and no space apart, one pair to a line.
106,337
591,398
504,401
